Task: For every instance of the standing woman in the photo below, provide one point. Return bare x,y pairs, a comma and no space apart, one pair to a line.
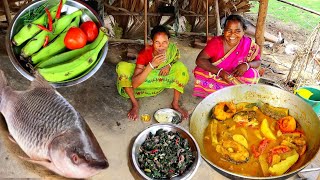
227,60
156,69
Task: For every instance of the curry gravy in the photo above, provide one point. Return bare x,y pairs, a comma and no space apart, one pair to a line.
225,131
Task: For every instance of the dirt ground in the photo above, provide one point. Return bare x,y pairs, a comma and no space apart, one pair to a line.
275,59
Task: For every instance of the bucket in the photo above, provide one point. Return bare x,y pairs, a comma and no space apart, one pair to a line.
313,100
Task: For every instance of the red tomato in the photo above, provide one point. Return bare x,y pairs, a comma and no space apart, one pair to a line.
90,29
287,124
75,38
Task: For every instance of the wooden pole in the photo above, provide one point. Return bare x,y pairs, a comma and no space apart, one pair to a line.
7,10
218,25
262,14
145,22
3,25
300,7
207,23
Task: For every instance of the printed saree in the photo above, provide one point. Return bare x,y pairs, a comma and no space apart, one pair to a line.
177,78
207,83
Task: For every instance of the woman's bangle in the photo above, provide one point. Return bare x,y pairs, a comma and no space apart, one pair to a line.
248,66
219,72
151,65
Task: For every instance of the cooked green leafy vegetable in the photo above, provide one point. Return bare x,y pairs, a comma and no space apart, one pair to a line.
176,120
165,154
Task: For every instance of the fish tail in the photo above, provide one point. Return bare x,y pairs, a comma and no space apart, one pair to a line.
3,83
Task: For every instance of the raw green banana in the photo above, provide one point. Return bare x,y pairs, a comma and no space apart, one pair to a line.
66,56
73,68
56,47
36,43
30,30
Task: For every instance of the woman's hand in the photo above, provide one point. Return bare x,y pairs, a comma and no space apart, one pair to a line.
165,70
240,70
158,59
225,76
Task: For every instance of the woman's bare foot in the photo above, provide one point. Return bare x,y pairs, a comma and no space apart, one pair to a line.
134,112
184,113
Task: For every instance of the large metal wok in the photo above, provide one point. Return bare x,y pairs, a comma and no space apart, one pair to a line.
255,93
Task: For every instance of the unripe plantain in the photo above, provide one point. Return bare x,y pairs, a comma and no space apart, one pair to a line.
66,56
57,46
73,68
36,43
31,29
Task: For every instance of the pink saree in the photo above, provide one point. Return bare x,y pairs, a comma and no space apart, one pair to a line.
246,51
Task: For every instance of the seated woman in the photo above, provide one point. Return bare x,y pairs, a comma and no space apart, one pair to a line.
156,69
227,60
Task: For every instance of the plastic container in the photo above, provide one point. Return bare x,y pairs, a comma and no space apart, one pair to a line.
314,99
145,118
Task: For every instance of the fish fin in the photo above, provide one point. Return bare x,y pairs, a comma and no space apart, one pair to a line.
3,80
12,139
43,162
46,163
24,158
3,83
40,82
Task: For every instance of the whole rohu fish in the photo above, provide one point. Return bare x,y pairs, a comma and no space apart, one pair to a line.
50,131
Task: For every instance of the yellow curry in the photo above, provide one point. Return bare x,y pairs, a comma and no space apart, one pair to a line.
252,141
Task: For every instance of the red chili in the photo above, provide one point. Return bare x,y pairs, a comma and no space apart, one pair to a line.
270,157
263,145
279,149
177,141
43,28
46,41
59,10
254,151
154,151
49,19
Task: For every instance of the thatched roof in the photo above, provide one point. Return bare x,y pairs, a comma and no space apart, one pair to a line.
128,14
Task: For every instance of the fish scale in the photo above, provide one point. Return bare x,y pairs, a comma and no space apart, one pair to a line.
32,105
33,135
50,131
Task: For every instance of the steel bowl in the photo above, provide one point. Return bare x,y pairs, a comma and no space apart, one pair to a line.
299,109
168,116
168,127
25,68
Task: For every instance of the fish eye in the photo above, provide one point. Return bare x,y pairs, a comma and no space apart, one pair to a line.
75,158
